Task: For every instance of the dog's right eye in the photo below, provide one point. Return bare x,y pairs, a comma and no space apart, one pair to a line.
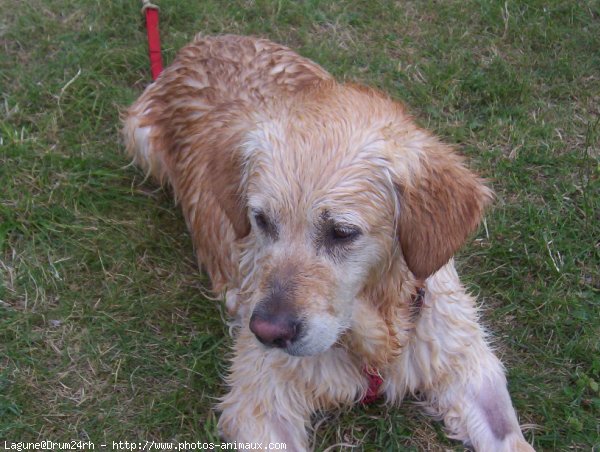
265,224
261,220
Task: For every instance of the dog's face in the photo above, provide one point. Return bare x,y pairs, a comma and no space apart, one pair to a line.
319,232
334,183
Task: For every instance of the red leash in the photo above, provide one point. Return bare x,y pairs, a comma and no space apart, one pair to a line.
151,12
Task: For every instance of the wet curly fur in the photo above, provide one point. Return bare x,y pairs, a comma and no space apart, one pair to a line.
319,208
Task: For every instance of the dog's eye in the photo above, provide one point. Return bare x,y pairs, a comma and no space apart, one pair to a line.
344,233
265,224
261,220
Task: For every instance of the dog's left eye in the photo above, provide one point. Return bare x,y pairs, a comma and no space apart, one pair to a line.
261,220
344,233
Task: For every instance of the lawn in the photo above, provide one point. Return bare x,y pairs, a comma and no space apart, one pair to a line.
106,333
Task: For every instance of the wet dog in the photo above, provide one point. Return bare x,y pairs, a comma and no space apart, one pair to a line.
329,220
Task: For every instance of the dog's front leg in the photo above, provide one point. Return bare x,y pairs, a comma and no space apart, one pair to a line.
267,403
477,409
450,364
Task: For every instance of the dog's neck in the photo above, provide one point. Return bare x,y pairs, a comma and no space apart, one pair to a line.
376,336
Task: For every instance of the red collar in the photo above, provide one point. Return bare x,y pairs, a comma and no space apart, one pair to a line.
375,382
373,375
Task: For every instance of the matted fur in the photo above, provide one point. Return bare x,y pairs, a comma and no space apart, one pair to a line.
325,202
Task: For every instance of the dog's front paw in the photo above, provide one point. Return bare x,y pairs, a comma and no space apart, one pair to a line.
252,418
248,434
520,445
511,443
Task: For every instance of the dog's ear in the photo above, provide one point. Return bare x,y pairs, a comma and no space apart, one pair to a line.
203,157
206,159
224,177
441,203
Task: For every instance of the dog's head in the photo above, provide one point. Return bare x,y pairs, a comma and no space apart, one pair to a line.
339,182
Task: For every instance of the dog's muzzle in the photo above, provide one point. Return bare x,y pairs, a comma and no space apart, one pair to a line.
275,321
279,329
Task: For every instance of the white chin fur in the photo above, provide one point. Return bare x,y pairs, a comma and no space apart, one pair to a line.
320,334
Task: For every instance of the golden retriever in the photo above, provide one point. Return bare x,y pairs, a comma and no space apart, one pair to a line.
328,220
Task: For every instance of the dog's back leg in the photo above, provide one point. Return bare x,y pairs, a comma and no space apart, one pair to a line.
139,132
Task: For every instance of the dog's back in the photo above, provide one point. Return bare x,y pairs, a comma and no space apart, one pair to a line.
210,72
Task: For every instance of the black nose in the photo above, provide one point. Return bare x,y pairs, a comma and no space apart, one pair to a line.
278,330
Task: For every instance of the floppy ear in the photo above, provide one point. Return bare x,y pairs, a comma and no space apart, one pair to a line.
207,176
197,154
439,207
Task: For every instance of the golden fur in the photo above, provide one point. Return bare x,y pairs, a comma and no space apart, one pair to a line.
322,204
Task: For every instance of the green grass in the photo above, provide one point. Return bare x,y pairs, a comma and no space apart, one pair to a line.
104,330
